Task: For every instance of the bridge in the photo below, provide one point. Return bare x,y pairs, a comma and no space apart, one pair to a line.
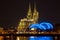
32,34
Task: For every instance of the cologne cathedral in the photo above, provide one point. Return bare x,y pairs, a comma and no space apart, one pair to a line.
31,18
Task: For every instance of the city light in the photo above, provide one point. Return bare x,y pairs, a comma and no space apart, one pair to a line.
42,26
34,26
41,38
29,28
45,38
18,38
32,38
45,26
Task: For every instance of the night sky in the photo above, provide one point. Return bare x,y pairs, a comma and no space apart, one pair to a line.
13,10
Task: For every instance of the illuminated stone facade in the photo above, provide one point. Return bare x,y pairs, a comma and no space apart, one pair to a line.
32,18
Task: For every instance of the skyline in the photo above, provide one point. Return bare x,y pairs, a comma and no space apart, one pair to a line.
13,11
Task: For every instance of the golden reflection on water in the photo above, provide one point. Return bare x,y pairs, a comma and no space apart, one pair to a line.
17,37
1,37
22,38
12,38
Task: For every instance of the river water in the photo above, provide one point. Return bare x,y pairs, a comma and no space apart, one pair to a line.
26,38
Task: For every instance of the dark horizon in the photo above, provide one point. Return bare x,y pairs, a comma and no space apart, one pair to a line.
13,11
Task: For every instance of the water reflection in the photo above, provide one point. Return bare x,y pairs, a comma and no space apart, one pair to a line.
1,37
33,38
26,38
41,38
22,38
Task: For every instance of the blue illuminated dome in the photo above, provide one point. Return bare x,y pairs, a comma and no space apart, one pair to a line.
34,26
45,26
42,26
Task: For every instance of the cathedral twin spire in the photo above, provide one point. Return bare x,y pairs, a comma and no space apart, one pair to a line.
29,15
34,14
32,18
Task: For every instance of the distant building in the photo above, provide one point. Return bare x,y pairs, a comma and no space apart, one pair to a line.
1,30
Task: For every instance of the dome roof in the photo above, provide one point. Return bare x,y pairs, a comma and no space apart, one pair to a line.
42,26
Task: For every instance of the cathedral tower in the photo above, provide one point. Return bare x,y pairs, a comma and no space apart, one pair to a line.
32,18
29,15
35,14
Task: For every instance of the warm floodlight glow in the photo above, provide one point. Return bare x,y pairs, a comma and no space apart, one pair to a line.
18,38
32,28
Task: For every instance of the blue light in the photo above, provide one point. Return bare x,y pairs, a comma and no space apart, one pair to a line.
45,38
32,38
41,38
34,26
46,25
42,26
